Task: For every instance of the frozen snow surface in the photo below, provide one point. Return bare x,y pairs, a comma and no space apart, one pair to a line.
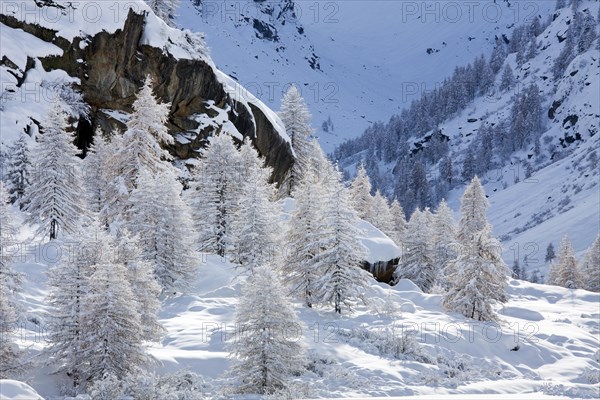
546,342
15,390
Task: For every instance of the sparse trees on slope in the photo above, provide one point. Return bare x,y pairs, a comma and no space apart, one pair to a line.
342,281
417,262
214,194
564,272
590,267
479,276
265,358
160,217
54,196
19,170
360,194
255,233
296,118
508,78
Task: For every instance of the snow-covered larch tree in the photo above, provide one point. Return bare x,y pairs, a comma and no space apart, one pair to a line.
342,281
417,262
146,133
144,285
399,221
478,277
96,167
297,120
255,235
162,220
69,284
10,284
382,216
139,149
564,271
19,170
360,194
111,331
590,267
303,239
444,239
54,200
214,195
266,354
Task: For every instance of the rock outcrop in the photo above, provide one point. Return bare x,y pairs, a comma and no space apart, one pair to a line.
111,68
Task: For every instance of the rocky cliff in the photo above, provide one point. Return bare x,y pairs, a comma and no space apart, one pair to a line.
109,68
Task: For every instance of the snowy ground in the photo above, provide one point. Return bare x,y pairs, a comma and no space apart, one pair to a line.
546,341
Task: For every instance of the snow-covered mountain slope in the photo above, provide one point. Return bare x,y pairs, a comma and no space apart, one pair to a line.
562,195
355,61
93,57
546,342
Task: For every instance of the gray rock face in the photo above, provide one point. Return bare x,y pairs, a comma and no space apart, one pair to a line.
114,67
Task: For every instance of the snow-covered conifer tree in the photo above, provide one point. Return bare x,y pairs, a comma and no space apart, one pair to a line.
54,198
162,220
342,281
214,195
444,240
255,235
10,285
417,262
144,285
139,149
146,132
565,271
399,221
516,270
550,255
382,216
508,78
266,357
360,194
535,276
590,267
96,167
303,239
297,120
478,276
19,170
111,331
69,284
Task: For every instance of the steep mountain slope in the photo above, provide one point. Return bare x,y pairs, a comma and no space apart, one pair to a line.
355,62
93,58
540,191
